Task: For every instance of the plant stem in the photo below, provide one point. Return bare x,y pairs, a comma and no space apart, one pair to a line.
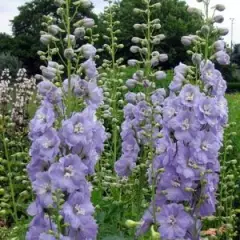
113,78
10,179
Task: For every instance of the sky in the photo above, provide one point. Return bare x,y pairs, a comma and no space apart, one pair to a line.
8,9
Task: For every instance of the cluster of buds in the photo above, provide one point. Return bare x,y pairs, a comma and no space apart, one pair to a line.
112,78
5,91
24,90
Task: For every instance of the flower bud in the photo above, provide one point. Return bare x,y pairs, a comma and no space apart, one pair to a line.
83,3
186,40
205,29
54,29
196,58
132,224
160,75
88,50
131,83
223,31
220,7
163,57
155,235
134,49
88,22
218,19
46,39
79,32
69,53
136,40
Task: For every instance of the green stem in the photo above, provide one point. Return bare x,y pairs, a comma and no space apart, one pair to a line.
10,179
69,63
113,77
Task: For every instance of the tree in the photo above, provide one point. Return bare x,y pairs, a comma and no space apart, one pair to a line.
6,43
175,20
236,54
26,30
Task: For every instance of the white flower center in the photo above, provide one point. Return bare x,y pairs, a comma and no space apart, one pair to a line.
79,210
69,172
161,149
45,189
189,96
78,128
171,220
207,109
175,183
41,116
209,73
204,146
186,124
47,144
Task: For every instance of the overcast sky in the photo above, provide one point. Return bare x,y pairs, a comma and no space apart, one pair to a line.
8,9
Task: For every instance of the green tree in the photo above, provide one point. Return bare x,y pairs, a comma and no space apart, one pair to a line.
6,43
175,20
236,54
26,31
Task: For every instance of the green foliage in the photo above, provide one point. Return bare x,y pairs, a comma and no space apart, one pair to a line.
26,30
233,87
236,54
6,43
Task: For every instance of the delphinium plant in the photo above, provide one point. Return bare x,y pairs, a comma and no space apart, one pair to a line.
67,139
112,79
185,172
141,128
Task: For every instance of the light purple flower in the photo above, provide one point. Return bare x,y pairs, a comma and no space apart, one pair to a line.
77,209
68,173
174,221
222,57
189,95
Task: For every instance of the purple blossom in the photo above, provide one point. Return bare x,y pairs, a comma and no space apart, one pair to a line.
206,146
77,129
43,120
219,45
47,146
39,225
77,209
43,188
174,221
68,173
189,95
125,165
87,230
90,69
222,57
185,126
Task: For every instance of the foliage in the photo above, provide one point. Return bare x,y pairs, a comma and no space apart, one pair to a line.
236,54
6,42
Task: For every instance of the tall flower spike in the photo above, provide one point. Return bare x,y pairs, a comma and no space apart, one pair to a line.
67,139
186,165
142,114
112,78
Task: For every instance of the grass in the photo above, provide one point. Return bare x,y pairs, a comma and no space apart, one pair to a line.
234,117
